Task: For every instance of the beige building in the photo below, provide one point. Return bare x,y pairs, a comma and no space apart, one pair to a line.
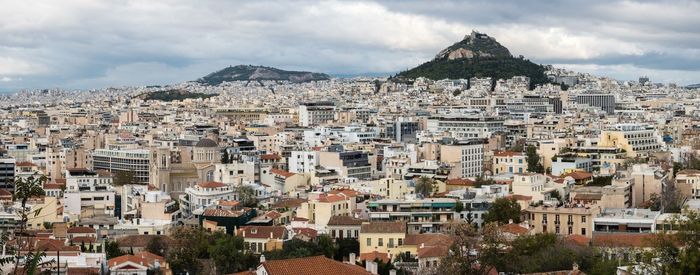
636,140
383,237
321,207
562,220
465,157
533,185
647,180
688,182
509,162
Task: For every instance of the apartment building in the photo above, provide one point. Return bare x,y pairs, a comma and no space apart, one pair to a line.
562,220
124,160
315,113
420,215
509,162
465,156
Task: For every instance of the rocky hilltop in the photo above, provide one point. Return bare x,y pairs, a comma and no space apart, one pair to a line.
477,55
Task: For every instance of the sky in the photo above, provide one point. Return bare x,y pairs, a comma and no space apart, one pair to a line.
81,44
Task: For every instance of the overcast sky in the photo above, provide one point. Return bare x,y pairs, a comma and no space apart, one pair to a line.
94,44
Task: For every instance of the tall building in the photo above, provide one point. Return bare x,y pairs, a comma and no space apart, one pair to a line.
7,173
606,102
125,160
314,113
466,126
466,157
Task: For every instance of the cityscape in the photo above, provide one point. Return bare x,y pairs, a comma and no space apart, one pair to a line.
464,151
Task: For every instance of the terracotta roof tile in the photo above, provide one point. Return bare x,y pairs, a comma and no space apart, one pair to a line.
383,227
262,232
375,255
344,220
622,239
282,173
316,265
211,184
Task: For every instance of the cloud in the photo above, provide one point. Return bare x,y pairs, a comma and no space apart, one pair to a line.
91,44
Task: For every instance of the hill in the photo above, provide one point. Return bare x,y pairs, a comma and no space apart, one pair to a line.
171,95
477,55
250,72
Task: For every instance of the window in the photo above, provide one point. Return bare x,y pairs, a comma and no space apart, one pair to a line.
583,218
391,242
369,242
583,231
381,242
400,242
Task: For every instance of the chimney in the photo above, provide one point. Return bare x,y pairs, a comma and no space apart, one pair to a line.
392,272
262,258
352,258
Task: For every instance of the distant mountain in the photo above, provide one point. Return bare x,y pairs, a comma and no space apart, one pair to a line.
477,55
250,72
693,86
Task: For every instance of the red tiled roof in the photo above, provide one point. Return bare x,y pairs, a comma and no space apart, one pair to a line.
371,256
578,175
460,182
311,233
140,240
270,157
344,220
83,239
282,173
622,239
316,265
433,251
578,239
81,230
261,232
300,219
331,198
144,258
383,227
429,240
514,228
55,186
507,154
347,192
211,184
214,212
25,164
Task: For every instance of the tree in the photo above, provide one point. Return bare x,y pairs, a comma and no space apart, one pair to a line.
502,211
157,245
228,254
459,207
346,246
424,186
122,177
247,196
461,257
26,188
225,157
482,180
326,245
533,160
679,253
189,244
112,250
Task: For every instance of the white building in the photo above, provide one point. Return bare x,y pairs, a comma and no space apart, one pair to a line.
314,113
303,161
205,194
88,192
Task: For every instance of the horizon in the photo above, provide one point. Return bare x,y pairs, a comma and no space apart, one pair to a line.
140,43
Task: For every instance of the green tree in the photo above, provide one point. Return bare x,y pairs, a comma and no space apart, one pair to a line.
679,253
189,245
533,160
247,196
482,180
424,186
502,211
123,177
26,188
459,207
157,245
326,245
346,246
225,157
228,254
112,250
